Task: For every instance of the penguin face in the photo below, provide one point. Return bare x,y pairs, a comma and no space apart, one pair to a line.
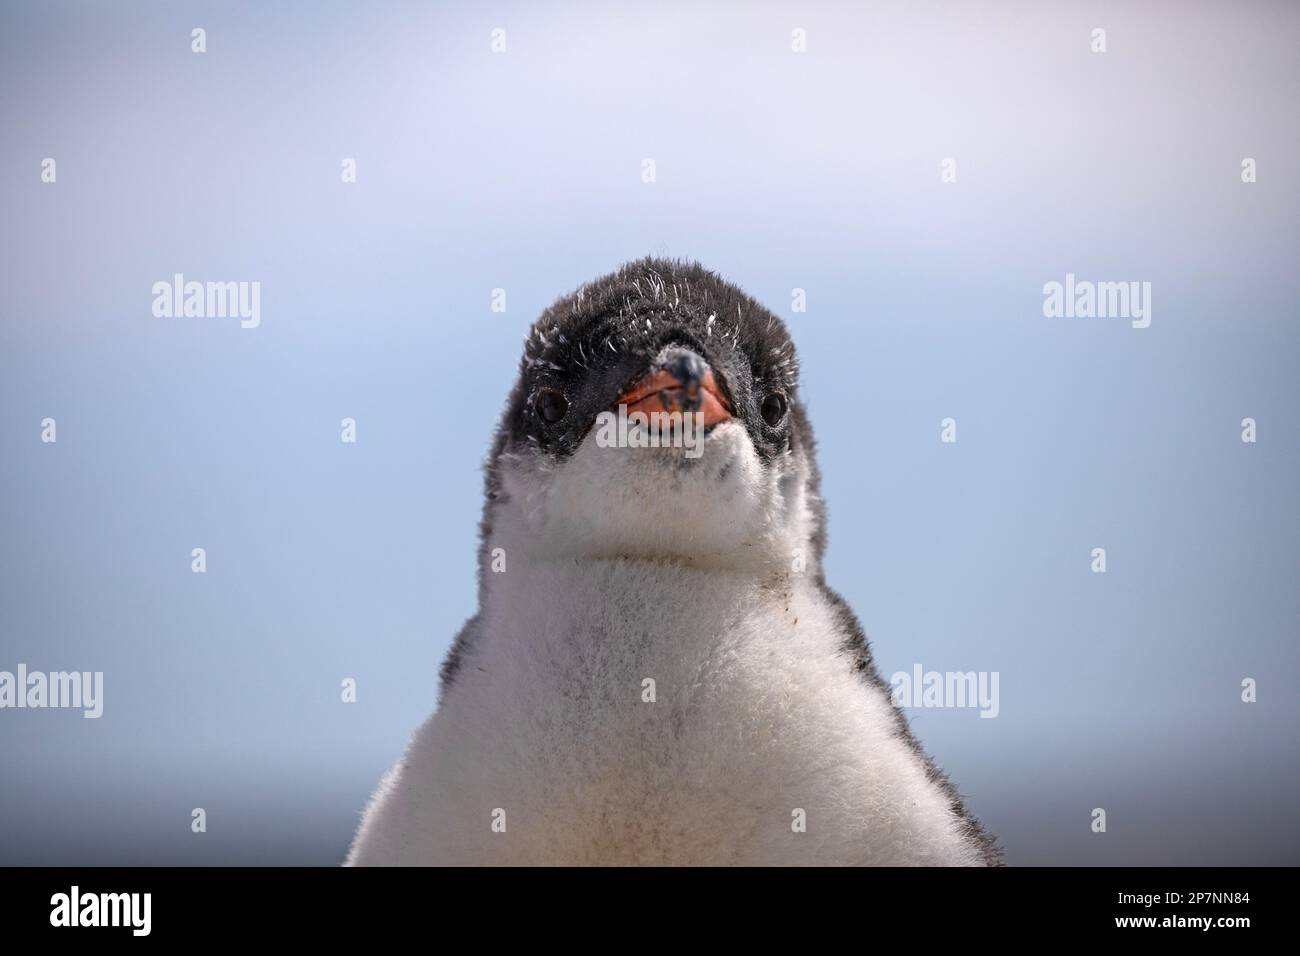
659,336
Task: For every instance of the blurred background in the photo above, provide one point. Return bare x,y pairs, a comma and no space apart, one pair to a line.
522,170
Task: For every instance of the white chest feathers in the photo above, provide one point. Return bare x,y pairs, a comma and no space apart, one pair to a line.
624,712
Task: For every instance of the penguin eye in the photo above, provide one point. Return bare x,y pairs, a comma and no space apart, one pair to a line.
551,405
773,409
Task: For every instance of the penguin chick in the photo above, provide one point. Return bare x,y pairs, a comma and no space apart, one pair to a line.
657,672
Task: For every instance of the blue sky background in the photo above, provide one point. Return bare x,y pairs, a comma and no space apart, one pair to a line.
522,171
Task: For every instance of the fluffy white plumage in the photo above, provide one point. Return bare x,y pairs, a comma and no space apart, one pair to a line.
631,564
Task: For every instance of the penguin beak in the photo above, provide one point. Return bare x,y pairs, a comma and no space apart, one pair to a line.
678,381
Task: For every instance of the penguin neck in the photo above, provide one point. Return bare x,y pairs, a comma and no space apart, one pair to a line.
515,549
561,617
730,514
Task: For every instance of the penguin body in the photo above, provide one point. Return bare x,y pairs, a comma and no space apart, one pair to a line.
660,674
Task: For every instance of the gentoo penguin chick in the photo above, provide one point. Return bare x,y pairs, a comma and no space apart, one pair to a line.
657,672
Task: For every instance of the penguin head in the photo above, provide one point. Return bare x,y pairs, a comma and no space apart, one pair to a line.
658,337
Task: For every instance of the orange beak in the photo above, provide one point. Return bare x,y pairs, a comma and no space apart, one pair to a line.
662,391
